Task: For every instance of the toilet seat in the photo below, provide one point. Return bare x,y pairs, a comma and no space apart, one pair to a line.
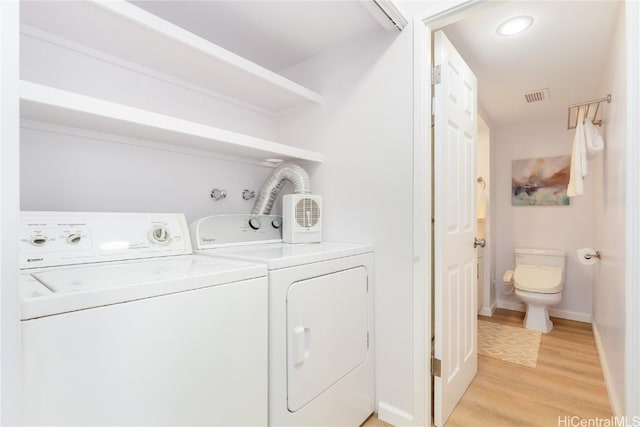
538,279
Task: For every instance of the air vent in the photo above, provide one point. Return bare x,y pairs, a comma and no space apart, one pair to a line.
537,95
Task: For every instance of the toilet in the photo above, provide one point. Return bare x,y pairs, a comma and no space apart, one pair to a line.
538,281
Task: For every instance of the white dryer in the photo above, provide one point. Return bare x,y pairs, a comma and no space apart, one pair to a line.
122,325
321,364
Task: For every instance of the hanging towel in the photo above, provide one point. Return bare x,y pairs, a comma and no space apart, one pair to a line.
594,141
587,142
578,160
481,204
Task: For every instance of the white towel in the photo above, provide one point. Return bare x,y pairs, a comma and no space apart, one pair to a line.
593,140
481,204
587,142
578,161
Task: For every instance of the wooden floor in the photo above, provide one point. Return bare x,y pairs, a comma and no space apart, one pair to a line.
373,421
567,381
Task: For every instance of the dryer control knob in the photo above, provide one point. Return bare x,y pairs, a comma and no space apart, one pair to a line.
255,223
160,236
277,223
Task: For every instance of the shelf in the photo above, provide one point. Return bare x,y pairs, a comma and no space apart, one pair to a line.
46,104
126,31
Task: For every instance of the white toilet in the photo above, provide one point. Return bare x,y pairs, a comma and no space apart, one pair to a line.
538,280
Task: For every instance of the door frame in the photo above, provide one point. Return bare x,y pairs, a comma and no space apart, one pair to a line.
423,26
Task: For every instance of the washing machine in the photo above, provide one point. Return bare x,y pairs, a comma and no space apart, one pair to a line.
321,358
123,325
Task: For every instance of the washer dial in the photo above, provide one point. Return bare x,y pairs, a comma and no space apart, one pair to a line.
160,236
38,240
74,238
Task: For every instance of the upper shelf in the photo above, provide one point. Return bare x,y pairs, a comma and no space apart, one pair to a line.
47,104
126,31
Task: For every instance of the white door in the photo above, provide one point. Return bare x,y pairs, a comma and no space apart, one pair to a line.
455,131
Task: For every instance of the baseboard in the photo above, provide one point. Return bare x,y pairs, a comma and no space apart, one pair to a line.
488,311
561,314
571,315
515,306
613,399
394,416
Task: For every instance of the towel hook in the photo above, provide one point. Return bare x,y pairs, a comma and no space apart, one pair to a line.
481,180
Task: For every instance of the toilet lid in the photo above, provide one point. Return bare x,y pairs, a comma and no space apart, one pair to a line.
538,278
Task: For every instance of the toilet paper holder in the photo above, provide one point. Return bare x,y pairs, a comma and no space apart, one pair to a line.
589,256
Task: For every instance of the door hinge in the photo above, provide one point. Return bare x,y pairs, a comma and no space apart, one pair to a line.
436,365
436,75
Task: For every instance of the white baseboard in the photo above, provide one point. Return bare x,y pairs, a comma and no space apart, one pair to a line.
613,399
515,306
394,416
488,311
562,314
571,315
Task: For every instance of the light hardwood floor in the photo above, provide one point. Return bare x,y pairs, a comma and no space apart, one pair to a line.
567,381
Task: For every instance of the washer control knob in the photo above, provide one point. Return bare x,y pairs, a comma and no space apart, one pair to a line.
276,223
38,240
160,236
74,239
255,223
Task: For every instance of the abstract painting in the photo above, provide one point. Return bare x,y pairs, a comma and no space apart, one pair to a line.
540,182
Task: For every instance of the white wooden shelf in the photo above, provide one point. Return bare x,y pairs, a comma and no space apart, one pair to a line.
126,31
47,104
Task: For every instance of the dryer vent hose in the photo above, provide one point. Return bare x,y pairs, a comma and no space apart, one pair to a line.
274,183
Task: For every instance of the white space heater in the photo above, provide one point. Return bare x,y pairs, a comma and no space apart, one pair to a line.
301,218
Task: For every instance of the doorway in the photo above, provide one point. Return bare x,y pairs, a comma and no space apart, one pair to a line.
432,23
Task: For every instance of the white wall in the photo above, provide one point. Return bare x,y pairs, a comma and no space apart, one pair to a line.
9,151
87,173
632,267
610,205
365,128
556,227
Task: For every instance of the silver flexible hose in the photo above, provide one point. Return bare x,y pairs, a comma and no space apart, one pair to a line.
273,185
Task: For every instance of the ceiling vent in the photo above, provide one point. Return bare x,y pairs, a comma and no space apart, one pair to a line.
537,95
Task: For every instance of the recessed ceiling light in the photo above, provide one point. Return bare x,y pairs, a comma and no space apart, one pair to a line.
514,25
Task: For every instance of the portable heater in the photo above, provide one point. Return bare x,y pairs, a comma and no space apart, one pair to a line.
301,218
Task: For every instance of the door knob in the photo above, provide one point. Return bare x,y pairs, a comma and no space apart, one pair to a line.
479,242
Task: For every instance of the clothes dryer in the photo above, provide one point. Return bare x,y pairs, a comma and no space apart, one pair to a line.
321,359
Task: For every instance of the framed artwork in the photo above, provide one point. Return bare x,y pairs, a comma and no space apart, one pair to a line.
540,182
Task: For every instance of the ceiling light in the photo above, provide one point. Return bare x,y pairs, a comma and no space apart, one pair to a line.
514,25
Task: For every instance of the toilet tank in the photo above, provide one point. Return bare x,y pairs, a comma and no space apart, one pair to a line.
546,257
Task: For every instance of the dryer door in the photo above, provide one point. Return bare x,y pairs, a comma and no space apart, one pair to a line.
326,332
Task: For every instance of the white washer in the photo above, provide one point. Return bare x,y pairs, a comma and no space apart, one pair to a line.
321,364
122,325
